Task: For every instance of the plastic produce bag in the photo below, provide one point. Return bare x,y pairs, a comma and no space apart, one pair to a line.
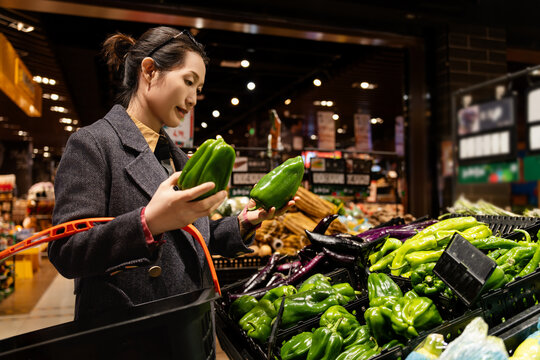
429,349
529,349
475,344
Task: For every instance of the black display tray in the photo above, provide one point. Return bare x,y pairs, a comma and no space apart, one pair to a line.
179,327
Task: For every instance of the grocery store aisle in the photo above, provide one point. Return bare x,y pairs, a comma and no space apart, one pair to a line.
54,307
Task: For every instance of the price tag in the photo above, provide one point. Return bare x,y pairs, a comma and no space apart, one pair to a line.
328,178
358,179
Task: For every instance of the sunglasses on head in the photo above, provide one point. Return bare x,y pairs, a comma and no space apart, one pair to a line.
183,32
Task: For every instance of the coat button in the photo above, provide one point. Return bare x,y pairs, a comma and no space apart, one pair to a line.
154,271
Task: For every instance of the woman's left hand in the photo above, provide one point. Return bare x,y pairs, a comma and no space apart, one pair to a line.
257,216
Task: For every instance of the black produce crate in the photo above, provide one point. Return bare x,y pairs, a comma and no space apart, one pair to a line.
505,225
235,341
178,327
450,329
518,328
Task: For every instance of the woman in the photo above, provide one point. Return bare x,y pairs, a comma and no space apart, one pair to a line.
111,169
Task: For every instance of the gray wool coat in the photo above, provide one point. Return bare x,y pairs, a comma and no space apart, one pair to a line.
108,170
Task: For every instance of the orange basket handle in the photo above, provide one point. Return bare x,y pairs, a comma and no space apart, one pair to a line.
72,227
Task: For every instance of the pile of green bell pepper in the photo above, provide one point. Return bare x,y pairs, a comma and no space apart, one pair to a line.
393,314
313,297
212,162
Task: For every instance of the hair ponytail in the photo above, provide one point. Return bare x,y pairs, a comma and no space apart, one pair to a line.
166,45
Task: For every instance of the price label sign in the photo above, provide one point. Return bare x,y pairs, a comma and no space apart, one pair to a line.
358,179
239,178
329,178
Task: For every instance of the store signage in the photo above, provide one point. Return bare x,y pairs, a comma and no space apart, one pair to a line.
17,82
182,135
533,118
362,132
327,130
327,171
489,173
486,131
358,172
531,168
247,171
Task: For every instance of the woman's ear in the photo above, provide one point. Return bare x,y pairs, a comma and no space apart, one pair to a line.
148,69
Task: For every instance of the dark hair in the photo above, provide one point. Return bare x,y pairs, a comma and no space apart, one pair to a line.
166,45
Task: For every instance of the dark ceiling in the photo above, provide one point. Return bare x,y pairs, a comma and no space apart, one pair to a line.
287,43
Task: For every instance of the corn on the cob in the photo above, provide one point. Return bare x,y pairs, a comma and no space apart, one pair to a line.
314,205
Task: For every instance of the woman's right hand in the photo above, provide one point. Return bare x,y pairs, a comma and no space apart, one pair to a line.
171,209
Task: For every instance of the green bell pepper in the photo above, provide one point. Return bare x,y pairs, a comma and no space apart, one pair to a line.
242,306
335,313
424,281
259,328
309,303
409,316
297,347
278,292
277,187
212,162
421,257
391,344
311,282
359,335
378,326
326,343
495,280
380,284
263,308
358,352
346,290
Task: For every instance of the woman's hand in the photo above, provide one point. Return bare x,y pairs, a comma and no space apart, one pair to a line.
250,220
171,209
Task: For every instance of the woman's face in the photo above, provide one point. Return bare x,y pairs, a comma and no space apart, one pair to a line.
174,93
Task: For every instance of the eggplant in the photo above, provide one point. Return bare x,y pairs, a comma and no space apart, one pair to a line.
342,259
341,244
324,224
288,266
263,275
294,279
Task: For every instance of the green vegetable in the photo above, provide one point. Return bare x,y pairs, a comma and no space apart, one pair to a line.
409,316
257,321
379,327
389,245
421,257
477,232
297,347
383,263
515,255
358,352
309,303
242,306
495,280
380,284
326,343
346,290
317,279
359,335
277,187
337,313
391,344
494,242
212,162
424,281
278,292
532,265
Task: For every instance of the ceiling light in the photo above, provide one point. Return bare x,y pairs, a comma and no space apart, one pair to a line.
45,80
235,101
52,82
323,103
75,122
68,128
335,117
364,85
317,103
373,120
313,137
22,133
65,121
231,131
288,102
55,97
251,85
340,131
45,148
244,63
204,125
59,109
21,26
35,151
37,79
329,103
215,113
229,64
46,154
317,82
